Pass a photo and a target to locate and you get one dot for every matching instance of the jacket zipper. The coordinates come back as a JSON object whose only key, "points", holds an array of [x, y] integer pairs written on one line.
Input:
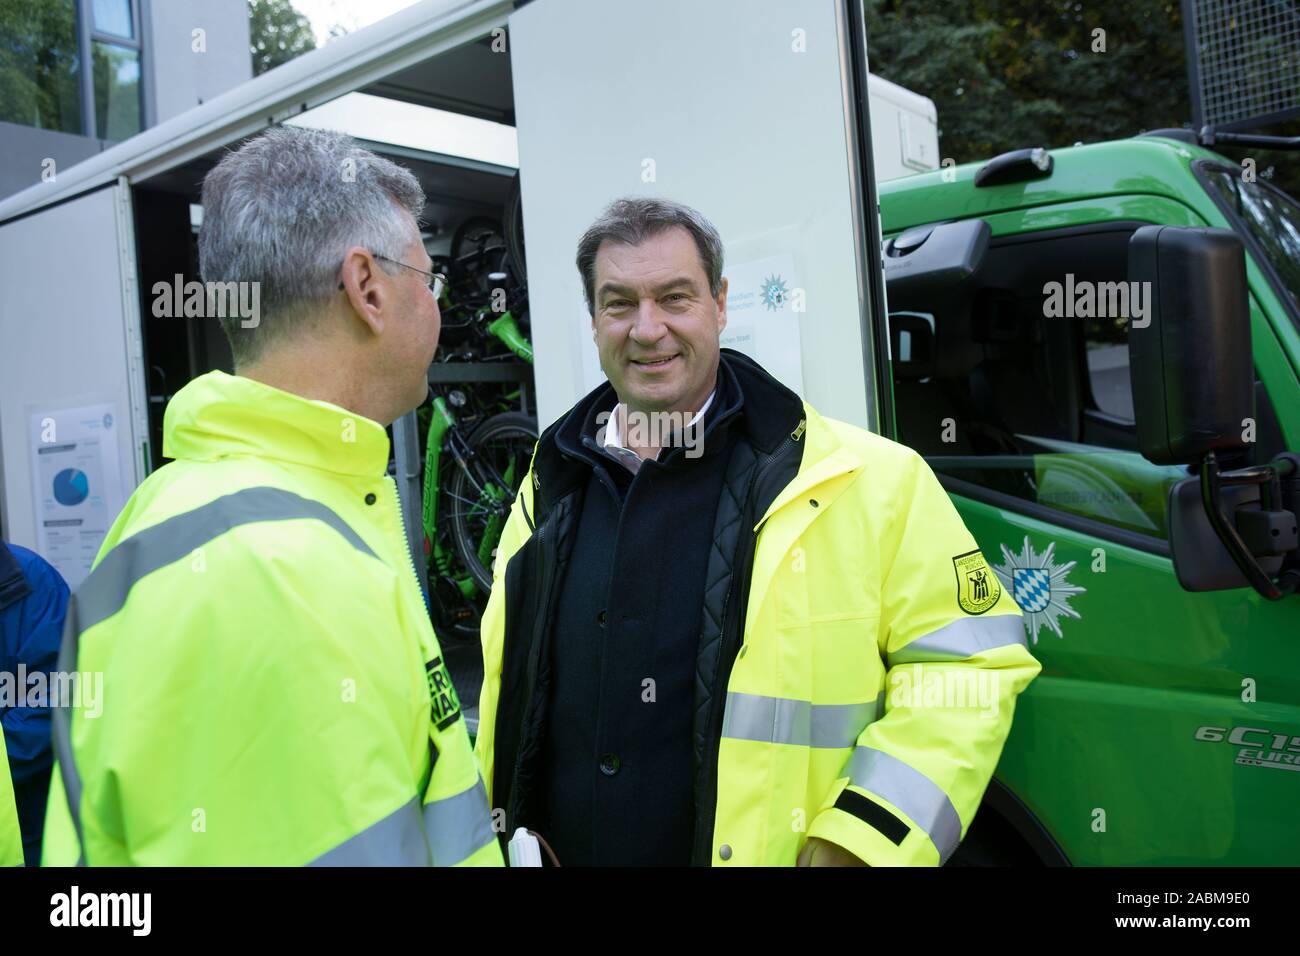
{"points": [[733, 616], [406, 545]]}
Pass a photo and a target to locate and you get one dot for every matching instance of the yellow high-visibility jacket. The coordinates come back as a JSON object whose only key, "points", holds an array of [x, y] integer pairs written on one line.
{"points": [[11, 837], [273, 693], [874, 687]]}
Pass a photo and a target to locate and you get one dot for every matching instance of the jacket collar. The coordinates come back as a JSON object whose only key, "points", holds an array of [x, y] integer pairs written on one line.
{"points": [[576, 437], [224, 416], [825, 458]]}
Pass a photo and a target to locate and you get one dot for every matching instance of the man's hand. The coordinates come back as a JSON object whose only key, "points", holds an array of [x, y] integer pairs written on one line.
{"points": [[818, 852]]}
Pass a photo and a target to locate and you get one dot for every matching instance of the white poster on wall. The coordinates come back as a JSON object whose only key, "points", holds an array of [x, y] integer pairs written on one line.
{"points": [[77, 482], [764, 302]]}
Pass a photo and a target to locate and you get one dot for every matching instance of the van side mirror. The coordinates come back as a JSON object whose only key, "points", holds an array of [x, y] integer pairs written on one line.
{"points": [[1190, 354], [1193, 378]]}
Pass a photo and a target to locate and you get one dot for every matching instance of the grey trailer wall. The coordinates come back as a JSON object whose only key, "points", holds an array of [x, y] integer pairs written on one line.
{"points": [[69, 337]]}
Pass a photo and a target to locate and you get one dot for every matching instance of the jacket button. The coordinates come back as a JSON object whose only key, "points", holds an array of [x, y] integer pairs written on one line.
{"points": [[813, 502], [370, 498], [600, 617], [609, 764], [724, 851]]}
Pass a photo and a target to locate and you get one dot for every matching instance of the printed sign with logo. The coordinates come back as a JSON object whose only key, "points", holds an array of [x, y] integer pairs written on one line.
{"points": [[442, 695]]}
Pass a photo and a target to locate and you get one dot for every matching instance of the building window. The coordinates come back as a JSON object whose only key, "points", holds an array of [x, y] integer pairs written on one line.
{"points": [[44, 47], [114, 17], [117, 91], [40, 83], [115, 51]]}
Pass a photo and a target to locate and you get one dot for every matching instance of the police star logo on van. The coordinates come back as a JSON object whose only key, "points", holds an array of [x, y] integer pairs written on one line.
{"points": [[1040, 586]]}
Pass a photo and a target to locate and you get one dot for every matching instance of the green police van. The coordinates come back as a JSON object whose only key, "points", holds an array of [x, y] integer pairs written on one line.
{"points": [[1097, 349]]}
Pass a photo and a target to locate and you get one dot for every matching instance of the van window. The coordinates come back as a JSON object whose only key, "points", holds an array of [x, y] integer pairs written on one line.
{"points": [[1270, 219], [1026, 389]]}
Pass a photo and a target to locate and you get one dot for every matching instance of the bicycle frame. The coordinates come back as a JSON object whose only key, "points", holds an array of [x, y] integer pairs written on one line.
{"points": [[441, 422], [507, 330]]}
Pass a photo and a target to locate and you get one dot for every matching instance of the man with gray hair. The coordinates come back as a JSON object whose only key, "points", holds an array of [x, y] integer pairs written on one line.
{"points": [[704, 590], [274, 693]]}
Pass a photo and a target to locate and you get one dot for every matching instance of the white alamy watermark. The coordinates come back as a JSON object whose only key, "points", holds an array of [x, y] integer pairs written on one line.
{"points": [[39, 689], [656, 430], [76, 908], [209, 300], [1098, 300], [960, 688]]}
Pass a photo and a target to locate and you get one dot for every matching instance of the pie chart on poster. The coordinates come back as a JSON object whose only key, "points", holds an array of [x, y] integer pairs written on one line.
{"points": [[70, 487]]}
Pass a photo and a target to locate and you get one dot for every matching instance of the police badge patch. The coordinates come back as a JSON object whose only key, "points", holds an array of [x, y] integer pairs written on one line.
{"points": [[977, 586]]}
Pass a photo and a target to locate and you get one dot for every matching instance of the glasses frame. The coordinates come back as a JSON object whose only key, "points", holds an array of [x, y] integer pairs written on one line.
{"points": [[437, 281]]}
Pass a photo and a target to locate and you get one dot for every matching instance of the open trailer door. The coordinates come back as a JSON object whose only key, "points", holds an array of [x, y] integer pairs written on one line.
{"points": [[75, 445], [755, 113]]}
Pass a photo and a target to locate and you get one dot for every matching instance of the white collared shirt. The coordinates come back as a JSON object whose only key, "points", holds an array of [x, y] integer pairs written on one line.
{"points": [[614, 440]]}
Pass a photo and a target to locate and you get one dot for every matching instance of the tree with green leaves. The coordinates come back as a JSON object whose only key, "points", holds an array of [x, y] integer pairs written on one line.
{"points": [[1006, 74], [277, 33]]}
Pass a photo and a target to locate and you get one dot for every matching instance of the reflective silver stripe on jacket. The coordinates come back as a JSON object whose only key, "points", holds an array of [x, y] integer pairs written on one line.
{"points": [[105, 591], [441, 833], [458, 826], [396, 840], [780, 720], [963, 638], [911, 791]]}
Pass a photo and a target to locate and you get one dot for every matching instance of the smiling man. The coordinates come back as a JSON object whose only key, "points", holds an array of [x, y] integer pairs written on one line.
{"points": [[687, 656]]}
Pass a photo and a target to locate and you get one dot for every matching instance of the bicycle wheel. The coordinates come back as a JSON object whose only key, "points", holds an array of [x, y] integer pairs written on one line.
{"points": [[477, 235], [513, 217], [479, 495]]}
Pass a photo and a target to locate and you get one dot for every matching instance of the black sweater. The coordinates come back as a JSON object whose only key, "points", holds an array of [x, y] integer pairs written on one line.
{"points": [[617, 783]]}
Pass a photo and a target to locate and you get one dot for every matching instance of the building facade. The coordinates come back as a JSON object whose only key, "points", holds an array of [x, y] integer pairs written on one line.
{"points": [[77, 76]]}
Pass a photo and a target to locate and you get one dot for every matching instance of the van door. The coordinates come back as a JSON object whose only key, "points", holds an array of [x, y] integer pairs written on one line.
{"points": [[753, 113], [72, 406], [1124, 747]]}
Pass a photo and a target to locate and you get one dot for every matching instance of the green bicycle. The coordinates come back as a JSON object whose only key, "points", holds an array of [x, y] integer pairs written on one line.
{"points": [[479, 432]]}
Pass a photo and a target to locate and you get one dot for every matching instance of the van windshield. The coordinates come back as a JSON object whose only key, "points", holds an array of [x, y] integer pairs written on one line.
{"points": [[1268, 216]]}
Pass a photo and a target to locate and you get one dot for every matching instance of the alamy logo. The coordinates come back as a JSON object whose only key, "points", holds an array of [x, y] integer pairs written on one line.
{"points": [[41, 689], [209, 300], [103, 909], [1098, 300], [655, 430]]}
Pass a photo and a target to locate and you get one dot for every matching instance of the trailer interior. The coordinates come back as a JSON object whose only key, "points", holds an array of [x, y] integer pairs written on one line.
{"points": [[472, 80]]}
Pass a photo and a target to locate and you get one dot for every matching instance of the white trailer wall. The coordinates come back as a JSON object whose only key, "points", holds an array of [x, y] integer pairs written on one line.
{"points": [[742, 116], [69, 338]]}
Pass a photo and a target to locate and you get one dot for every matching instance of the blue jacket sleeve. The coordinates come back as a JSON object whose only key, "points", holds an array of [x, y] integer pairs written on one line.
{"points": [[30, 631]]}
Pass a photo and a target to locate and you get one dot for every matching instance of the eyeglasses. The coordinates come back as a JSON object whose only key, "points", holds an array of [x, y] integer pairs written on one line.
{"points": [[436, 280]]}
